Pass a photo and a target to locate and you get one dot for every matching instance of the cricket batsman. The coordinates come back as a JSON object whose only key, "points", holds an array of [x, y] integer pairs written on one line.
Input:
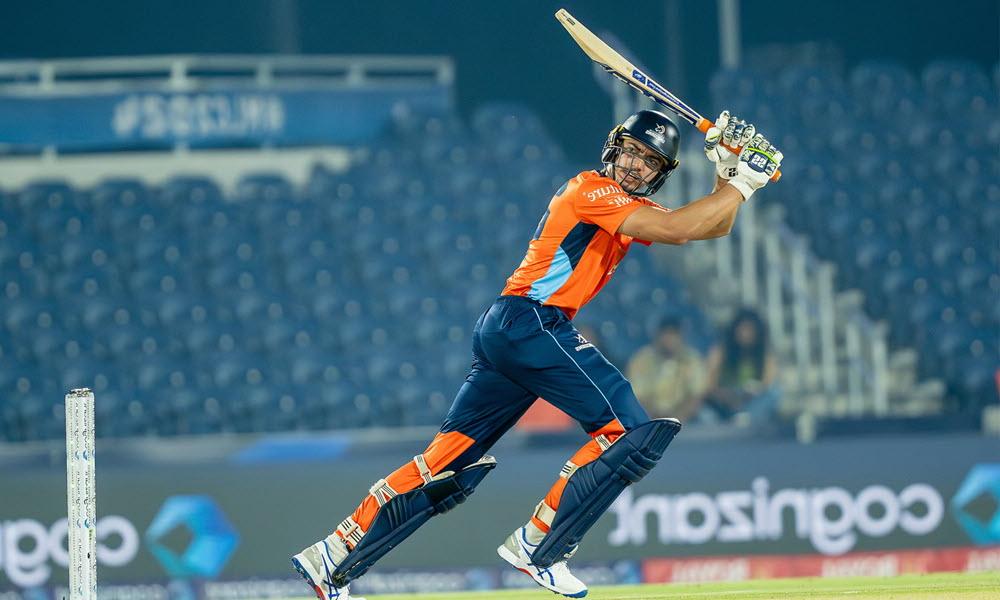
{"points": [[525, 347]]}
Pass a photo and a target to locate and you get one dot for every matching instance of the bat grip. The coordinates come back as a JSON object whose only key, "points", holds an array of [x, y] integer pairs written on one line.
{"points": [[704, 125]]}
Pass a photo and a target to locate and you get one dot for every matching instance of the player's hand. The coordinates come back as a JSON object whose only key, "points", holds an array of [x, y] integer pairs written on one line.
{"points": [[732, 131], [758, 162]]}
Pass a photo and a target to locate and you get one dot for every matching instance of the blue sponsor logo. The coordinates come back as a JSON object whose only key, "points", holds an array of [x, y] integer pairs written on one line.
{"points": [[641, 78], [976, 505], [213, 538]]}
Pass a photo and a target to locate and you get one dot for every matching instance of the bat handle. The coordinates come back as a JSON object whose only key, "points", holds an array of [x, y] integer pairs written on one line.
{"points": [[704, 125]]}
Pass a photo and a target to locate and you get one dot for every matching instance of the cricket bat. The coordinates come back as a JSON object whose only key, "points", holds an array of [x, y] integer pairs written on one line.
{"points": [[616, 64]]}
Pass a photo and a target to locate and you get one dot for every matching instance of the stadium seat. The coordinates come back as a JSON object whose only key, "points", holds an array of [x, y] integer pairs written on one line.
{"points": [[120, 192], [263, 189], [43, 196], [941, 76]]}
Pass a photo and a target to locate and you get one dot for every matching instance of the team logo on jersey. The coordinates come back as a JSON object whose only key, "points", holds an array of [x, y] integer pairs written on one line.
{"points": [[582, 343]]}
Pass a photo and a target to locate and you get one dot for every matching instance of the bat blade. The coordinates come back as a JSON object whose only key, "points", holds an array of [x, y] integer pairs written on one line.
{"points": [[616, 64]]}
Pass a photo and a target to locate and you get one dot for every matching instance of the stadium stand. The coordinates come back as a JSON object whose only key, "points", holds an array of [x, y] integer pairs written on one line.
{"points": [[894, 178], [345, 303]]}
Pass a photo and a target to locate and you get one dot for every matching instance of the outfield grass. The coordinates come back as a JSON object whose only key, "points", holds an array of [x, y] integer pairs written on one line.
{"points": [[979, 586]]}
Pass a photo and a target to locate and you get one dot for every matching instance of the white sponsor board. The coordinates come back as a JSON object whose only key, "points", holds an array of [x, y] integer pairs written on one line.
{"points": [[29, 548], [831, 518]]}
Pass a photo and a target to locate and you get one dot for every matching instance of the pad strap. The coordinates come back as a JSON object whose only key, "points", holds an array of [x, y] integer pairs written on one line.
{"points": [[603, 441], [544, 514], [382, 492], [350, 531], [425, 472]]}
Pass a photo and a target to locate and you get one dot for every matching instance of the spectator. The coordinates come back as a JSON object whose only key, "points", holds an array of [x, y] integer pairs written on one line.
{"points": [[741, 374], [668, 376]]}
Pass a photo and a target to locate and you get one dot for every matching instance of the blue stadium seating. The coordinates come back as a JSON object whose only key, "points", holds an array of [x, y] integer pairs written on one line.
{"points": [[908, 208], [345, 303], [348, 302]]}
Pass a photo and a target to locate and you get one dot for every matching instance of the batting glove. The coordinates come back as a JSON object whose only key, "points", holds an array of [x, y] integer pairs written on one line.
{"points": [[732, 131], [757, 163]]}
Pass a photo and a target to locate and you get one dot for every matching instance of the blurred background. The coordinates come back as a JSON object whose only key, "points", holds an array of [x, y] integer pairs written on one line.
{"points": [[262, 232]]}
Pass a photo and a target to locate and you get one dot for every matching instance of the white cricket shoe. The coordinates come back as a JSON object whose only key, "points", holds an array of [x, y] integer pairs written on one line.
{"points": [[316, 566], [517, 551]]}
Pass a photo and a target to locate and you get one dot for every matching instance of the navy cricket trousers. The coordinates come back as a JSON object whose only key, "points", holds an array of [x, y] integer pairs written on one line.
{"points": [[523, 350]]}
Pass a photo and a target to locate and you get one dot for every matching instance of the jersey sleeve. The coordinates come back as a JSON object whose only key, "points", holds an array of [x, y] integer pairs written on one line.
{"points": [[603, 203]]}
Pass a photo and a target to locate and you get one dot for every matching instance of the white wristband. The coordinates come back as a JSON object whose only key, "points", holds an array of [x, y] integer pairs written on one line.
{"points": [[743, 186]]}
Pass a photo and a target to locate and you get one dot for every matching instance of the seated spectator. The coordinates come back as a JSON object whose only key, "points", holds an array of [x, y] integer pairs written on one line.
{"points": [[741, 374], [668, 376]]}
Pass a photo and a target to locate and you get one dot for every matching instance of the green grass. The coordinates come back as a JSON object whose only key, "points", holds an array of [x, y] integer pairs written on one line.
{"points": [[962, 586]]}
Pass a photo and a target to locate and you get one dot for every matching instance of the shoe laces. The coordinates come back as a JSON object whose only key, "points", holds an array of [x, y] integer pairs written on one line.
{"points": [[560, 568], [346, 594]]}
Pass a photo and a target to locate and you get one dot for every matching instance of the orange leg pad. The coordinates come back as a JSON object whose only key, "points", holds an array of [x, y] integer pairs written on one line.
{"points": [[443, 449], [586, 454], [612, 430]]}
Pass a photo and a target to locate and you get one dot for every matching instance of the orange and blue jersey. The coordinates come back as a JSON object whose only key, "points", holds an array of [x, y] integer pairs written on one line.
{"points": [[576, 247]]}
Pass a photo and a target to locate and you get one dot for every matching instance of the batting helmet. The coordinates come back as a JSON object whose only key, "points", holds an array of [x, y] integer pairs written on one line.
{"points": [[655, 130]]}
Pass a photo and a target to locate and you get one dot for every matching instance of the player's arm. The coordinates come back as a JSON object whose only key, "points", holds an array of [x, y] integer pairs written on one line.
{"points": [[719, 182], [725, 226], [706, 215], [691, 222]]}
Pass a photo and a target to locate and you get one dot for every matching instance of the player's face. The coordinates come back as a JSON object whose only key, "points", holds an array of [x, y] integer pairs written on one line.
{"points": [[637, 164]]}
